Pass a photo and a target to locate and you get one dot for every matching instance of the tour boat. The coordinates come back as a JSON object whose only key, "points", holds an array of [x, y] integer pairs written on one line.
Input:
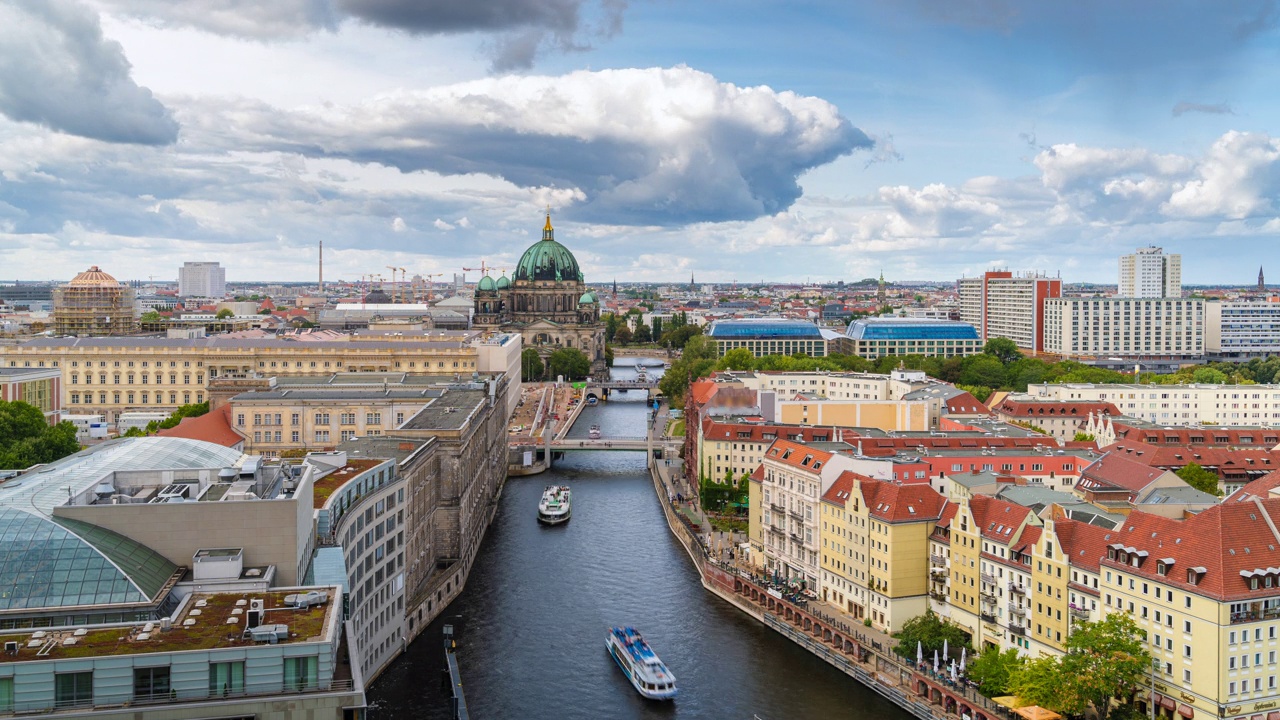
{"points": [[553, 508], [592, 400], [640, 664], [641, 375], [594, 432]]}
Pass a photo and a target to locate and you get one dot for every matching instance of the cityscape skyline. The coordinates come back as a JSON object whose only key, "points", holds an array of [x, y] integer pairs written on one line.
{"points": [[825, 143]]}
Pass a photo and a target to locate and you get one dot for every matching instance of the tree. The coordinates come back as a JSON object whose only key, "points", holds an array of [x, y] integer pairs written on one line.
{"points": [[930, 632], [657, 328], [1040, 681], [531, 367], [150, 317], [1106, 659], [1199, 478], [1082, 436], [184, 411], [224, 313], [992, 670], [610, 327], [569, 363], [737, 359], [623, 335], [1002, 349], [983, 370], [643, 333], [678, 336], [26, 438], [1208, 376]]}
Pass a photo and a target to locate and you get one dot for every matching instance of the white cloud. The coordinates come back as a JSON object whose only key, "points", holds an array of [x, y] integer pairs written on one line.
{"points": [[399, 225], [442, 225]]}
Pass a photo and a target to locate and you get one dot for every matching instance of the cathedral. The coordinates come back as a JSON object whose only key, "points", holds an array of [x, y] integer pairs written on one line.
{"points": [[547, 302]]}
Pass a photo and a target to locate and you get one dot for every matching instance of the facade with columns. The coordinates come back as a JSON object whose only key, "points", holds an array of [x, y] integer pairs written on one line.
{"points": [[546, 301]]}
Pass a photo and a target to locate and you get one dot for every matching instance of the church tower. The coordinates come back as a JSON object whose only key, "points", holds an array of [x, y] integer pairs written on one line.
{"points": [[1262, 283], [880, 296]]}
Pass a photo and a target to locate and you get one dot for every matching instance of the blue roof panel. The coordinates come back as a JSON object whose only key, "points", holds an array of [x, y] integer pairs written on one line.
{"points": [[764, 329], [912, 330]]}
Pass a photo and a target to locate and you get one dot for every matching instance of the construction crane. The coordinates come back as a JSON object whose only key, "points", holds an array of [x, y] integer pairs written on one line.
{"points": [[484, 269], [431, 286], [397, 291]]}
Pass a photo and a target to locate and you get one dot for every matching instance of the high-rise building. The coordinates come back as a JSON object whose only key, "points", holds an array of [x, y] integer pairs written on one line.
{"points": [[202, 279], [93, 304], [1153, 328], [1149, 273], [1000, 304]]}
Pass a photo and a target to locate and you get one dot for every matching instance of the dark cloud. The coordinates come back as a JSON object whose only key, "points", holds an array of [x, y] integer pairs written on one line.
{"points": [[1217, 109], [57, 70], [654, 146]]}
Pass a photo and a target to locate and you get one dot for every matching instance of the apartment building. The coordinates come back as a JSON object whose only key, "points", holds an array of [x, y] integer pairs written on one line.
{"points": [[1240, 330], [1199, 404], [110, 376], [1061, 419], [1154, 328], [729, 448], [202, 280], [1149, 273], [1000, 304]]}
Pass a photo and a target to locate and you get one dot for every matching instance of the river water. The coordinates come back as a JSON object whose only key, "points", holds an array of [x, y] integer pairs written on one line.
{"points": [[533, 617]]}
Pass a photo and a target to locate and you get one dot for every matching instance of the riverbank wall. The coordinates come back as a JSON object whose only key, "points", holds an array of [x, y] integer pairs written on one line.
{"points": [[917, 690]]}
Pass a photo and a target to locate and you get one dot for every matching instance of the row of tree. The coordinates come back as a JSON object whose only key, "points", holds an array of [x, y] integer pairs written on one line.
{"points": [[631, 328], [569, 363], [1106, 662], [27, 439]]}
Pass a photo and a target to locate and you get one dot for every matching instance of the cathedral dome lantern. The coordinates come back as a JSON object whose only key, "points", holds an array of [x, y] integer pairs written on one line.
{"points": [[548, 260], [486, 284]]}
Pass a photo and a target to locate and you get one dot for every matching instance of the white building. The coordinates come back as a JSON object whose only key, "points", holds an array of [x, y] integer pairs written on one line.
{"points": [[795, 478], [202, 279], [1225, 405], [1125, 327], [1000, 304], [1149, 273], [1239, 330]]}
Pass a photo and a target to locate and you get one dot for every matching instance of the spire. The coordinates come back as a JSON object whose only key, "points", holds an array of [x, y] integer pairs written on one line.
{"points": [[1262, 283], [547, 232]]}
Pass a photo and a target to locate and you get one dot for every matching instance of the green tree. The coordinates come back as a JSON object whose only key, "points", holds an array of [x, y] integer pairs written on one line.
{"points": [[1106, 659], [678, 336], [979, 393], [1199, 478], [608, 355], [611, 324], [1082, 436], [184, 411], [737, 359], [983, 370], [623, 335], [1040, 681], [643, 333], [992, 670], [531, 367], [1208, 376], [150, 317], [569, 363], [224, 313], [657, 328], [1002, 349], [930, 632], [26, 438]]}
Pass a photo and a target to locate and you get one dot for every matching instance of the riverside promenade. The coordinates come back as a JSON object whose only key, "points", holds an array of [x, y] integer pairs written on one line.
{"points": [[860, 652]]}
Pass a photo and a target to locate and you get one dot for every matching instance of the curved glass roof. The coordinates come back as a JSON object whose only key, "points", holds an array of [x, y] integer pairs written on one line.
{"points": [[54, 563], [51, 486], [909, 329], [764, 329]]}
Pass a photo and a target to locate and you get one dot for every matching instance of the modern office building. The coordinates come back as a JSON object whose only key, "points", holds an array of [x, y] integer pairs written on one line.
{"points": [[33, 296], [41, 387], [877, 337], [1240, 330], [769, 336], [1149, 273], [1152, 328], [93, 304], [202, 279], [1001, 304]]}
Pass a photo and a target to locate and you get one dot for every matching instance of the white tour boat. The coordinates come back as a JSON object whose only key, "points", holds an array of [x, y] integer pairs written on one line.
{"points": [[647, 673], [594, 432], [553, 508]]}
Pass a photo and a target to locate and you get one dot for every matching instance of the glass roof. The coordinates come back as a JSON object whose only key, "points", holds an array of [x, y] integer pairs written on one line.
{"points": [[47, 563], [764, 329], [911, 330], [51, 486]]}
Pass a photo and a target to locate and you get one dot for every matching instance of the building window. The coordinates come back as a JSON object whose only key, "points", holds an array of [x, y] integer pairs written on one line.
{"points": [[373, 418], [226, 678], [293, 436], [322, 436], [300, 673], [322, 418], [71, 689], [150, 683]]}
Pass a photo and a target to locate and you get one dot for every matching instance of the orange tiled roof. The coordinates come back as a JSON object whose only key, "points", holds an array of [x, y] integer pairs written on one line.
{"points": [[213, 426], [1051, 409], [797, 455]]}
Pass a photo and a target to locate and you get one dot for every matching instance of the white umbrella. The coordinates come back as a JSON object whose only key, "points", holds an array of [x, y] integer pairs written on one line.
{"points": [[953, 671], [919, 653], [935, 660], [946, 650], [963, 652]]}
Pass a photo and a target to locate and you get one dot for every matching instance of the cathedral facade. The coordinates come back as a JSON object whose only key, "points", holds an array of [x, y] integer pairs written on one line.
{"points": [[547, 302]]}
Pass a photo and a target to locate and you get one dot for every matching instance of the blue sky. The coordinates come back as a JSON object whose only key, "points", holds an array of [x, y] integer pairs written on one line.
{"points": [[732, 140]]}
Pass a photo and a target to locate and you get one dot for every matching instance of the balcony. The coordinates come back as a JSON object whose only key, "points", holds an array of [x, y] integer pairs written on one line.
{"points": [[776, 530], [988, 598], [799, 516], [777, 508], [1017, 588], [938, 597], [987, 617], [797, 538], [1015, 629], [1017, 610], [1079, 613], [988, 578], [937, 561], [1256, 612], [941, 571]]}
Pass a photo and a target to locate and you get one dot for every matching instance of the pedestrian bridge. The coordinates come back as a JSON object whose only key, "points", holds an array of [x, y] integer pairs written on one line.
{"points": [[611, 443]]}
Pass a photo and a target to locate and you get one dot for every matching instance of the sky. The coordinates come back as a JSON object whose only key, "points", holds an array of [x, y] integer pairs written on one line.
{"points": [[734, 140]]}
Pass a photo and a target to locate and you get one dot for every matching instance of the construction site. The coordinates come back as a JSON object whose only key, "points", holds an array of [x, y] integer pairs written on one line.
{"points": [[93, 304]]}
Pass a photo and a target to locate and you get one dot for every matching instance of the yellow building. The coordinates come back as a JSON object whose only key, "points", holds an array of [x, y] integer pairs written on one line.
{"points": [[875, 547], [888, 415], [109, 376], [93, 304]]}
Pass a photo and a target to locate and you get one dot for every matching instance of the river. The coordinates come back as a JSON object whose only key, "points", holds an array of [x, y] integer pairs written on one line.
{"points": [[533, 617]]}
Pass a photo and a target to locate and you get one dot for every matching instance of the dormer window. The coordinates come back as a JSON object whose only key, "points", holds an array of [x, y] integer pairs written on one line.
{"points": [[1253, 583], [1162, 569], [1191, 577]]}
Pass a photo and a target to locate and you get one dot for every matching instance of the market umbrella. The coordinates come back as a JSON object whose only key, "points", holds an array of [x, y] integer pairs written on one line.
{"points": [[946, 650], [963, 652], [919, 653], [935, 660], [953, 671]]}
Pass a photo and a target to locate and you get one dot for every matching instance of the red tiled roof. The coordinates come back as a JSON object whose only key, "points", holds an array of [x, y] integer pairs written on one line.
{"points": [[1115, 471], [1266, 437], [1259, 488], [997, 519], [703, 390], [1227, 461], [966, 404], [838, 493], [213, 426], [1070, 409], [1083, 543], [795, 454], [757, 475], [712, 430], [890, 502]]}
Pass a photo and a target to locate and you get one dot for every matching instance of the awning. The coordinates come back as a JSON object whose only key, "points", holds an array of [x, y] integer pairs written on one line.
{"points": [[1186, 711], [1168, 704], [1256, 717], [1273, 715], [1156, 698]]}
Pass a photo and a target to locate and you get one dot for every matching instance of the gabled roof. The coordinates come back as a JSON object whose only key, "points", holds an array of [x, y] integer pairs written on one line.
{"points": [[838, 493], [214, 426], [1083, 543], [998, 520], [892, 503], [1022, 408], [1226, 461], [1113, 472], [1260, 488], [797, 455], [760, 432]]}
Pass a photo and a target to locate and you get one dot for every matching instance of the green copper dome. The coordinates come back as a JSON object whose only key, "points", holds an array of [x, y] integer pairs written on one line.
{"points": [[486, 284], [587, 298], [548, 260], [504, 282]]}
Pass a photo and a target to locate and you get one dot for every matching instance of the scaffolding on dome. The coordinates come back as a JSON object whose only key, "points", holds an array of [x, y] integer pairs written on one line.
{"points": [[92, 305]]}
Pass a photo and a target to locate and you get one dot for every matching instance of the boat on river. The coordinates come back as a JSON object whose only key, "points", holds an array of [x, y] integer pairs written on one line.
{"points": [[648, 675], [554, 507], [594, 432]]}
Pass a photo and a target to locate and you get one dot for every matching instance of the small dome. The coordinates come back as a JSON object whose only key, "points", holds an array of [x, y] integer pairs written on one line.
{"points": [[95, 277], [377, 297], [486, 284], [587, 298], [504, 282]]}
